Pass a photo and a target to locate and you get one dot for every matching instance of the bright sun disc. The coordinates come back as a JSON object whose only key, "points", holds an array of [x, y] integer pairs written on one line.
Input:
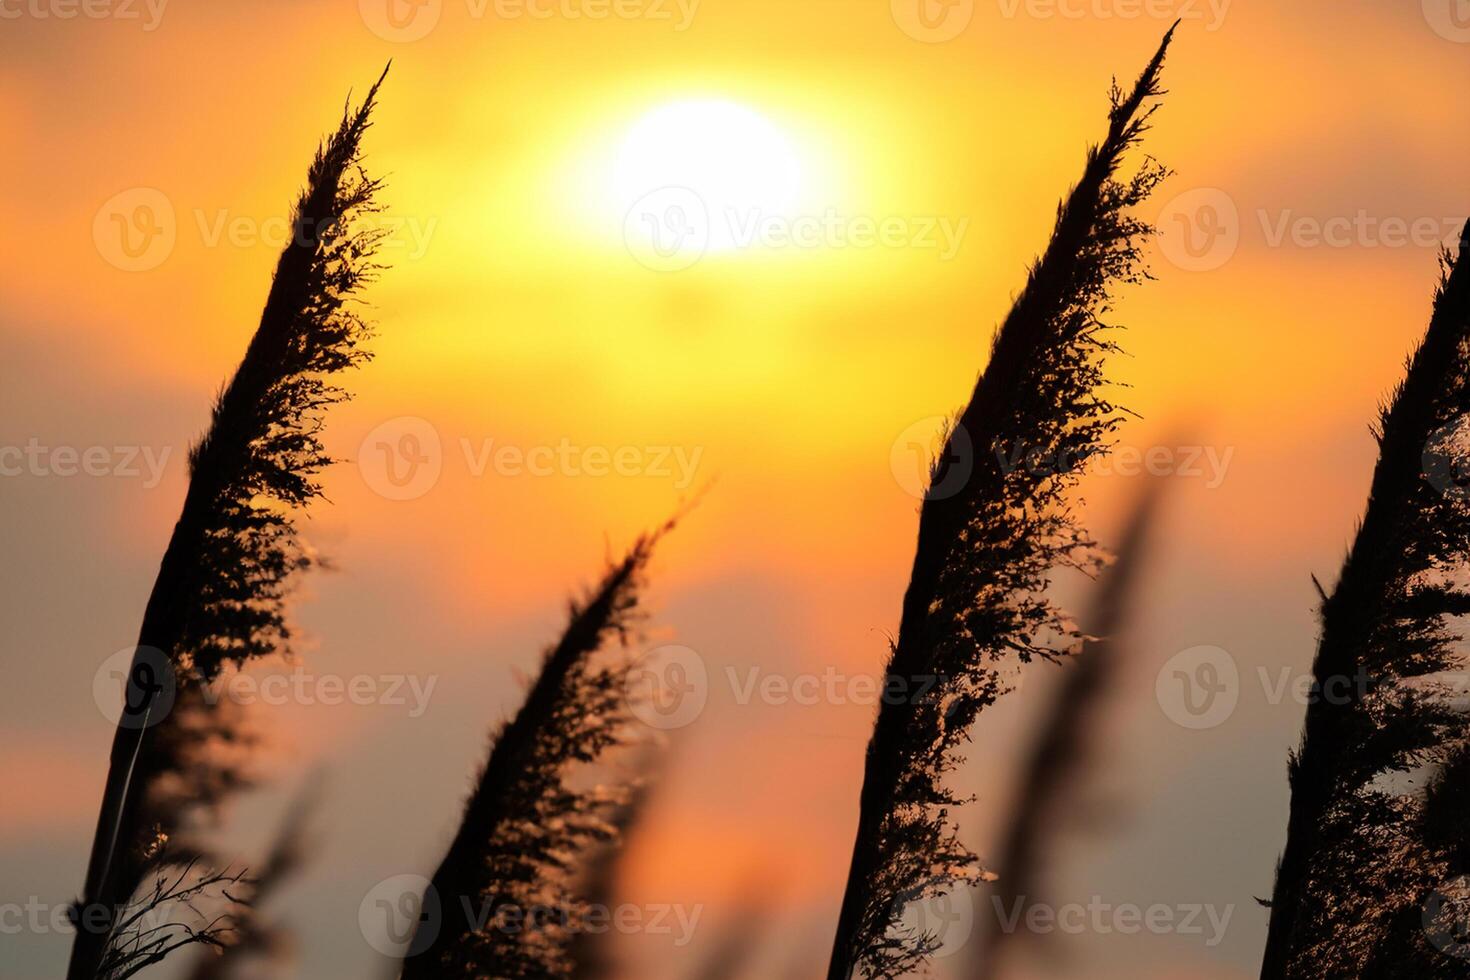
{"points": [[713, 155]]}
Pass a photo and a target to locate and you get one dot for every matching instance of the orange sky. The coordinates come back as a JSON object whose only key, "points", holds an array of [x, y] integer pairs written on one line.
{"points": [[516, 313]]}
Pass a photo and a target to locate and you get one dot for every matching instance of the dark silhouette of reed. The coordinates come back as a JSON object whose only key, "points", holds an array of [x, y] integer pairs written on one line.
{"points": [[1359, 856], [506, 889], [987, 544], [221, 587], [1059, 759]]}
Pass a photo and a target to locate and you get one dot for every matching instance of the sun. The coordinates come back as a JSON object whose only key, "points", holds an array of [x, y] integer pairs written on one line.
{"points": [[722, 157]]}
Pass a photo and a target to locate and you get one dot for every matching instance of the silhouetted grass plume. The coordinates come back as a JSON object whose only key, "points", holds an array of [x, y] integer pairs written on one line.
{"points": [[1047, 797], [988, 541], [1359, 858], [221, 586], [507, 889]]}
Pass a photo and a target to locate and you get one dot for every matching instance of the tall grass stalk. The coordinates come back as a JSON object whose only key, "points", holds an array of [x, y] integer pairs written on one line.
{"points": [[988, 542], [1357, 858], [527, 828], [221, 587]]}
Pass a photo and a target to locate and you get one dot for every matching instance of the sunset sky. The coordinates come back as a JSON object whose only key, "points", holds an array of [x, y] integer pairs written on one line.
{"points": [[909, 161]]}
